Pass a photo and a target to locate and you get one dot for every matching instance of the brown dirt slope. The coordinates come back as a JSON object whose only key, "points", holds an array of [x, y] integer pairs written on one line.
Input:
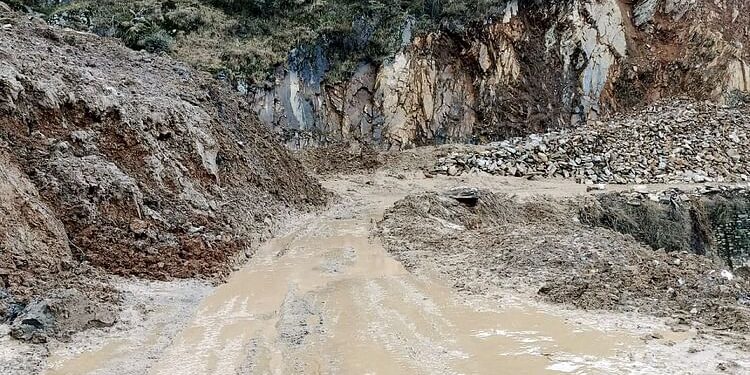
{"points": [[130, 162], [36, 261], [342, 157]]}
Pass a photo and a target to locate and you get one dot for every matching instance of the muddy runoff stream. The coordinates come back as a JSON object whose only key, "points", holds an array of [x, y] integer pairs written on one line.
{"points": [[327, 298]]}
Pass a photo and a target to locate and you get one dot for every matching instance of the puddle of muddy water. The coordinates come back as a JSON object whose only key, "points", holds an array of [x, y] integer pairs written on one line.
{"points": [[86, 362], [370, 316]]}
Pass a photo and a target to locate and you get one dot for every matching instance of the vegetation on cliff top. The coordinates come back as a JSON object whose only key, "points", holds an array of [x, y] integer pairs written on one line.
{"points": [[247, 39]]}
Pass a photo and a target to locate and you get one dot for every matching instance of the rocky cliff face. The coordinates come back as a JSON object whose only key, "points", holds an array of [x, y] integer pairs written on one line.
{"points": [[543, 65]]}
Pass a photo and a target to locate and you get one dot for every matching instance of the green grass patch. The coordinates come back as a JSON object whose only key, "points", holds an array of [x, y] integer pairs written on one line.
{"points": [[248, 39]]}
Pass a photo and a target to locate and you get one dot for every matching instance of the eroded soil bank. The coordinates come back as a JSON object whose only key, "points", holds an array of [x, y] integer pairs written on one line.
{"points": [[328, 298], [119, 162]]}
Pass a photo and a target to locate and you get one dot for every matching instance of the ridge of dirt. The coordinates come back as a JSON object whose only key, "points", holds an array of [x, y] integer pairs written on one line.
{"points": [[341, 158], [539, 243], [124, 162]]}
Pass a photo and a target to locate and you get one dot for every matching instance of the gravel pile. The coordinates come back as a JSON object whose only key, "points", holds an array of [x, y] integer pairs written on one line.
{"points": [[675, 195], [674, 141]]}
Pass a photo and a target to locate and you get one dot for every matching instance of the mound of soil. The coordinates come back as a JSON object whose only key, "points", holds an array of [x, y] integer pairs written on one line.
{"points": [[39, 278], [343, 157], [501, 242], [128, 162]]}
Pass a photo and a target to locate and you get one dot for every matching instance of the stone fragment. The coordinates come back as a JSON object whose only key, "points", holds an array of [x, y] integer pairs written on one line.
{"points": [[645, 11], [452, 170]]}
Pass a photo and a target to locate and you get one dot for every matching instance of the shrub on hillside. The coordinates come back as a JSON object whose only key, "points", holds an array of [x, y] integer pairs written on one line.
{"points": [[157, 41], [249, 38], [184, 19]]}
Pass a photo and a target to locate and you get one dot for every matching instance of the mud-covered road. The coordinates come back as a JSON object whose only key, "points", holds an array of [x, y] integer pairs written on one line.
{"points": [[327, 298]]}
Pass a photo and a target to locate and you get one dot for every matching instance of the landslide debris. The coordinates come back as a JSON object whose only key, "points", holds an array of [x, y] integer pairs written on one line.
{"points": [[341, 157], [502, 242], [40, 279], [126, 162], [672, 141]]}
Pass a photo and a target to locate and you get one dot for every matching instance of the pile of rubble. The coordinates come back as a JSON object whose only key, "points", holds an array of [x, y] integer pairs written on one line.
{"points": [[505, 242], [640, 193], [675, 141], [122, 162]]}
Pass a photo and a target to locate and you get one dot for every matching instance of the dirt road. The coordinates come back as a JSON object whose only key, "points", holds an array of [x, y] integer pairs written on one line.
{"points": [[327, 298]]}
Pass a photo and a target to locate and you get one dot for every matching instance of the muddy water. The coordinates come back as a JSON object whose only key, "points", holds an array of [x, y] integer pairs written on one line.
{"points": [[87, 362], [327, 298]]}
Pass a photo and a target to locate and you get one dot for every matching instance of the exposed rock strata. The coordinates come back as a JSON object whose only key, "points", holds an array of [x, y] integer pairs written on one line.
{"points": [[543, 65]]}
